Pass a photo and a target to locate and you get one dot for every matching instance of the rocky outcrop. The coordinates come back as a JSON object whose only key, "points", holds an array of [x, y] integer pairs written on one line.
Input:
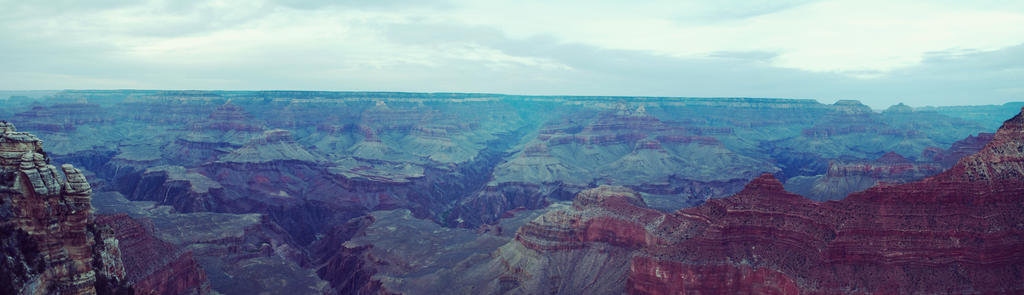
{"points": [[155, 266], [625, 146], [229, 117], [582, 249], [846, 134], [239, 253], [962, 148], [899, 108], [348, 274], [391, 251], [186, 191], [273, 145], [956, 232], [228, 127], [1000, 162], [51, 245], [847, 176], [306, 193]]}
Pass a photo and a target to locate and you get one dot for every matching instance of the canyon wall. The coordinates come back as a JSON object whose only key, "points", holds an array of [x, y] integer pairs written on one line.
{"points": [[51, 244], [956, 232], [262, 186], [55, 245]]}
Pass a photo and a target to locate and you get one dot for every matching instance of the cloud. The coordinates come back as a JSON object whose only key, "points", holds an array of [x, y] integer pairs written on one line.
{"points": [[920, 53], [754, 55], [941, 79], [364, 4], [731, 10]]}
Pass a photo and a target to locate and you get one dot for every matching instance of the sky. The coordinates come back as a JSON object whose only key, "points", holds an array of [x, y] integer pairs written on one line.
{"points": [[920, 53]]}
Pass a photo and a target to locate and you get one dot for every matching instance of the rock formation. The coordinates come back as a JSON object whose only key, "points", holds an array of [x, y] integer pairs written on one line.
{"points": [[847, 176], [236, 253], [272, 145], [196, 165], [229, 126], [962, 148], [624, 147], [51, 244], [229, 117], [956, 232], [154, 266]]}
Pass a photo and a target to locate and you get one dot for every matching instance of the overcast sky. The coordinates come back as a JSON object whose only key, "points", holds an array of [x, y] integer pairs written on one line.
{"points": [[879, 52]]}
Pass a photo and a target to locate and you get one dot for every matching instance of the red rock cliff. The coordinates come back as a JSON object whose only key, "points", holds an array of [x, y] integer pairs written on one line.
{"points": [[958, 232], [961, 231]]}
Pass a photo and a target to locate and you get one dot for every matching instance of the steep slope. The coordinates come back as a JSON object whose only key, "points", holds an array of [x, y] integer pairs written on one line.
{"points": [[459, 160], [959, 149], [625, 146], [845, 177], [154, 266], [237, 253], [50, 243], [957, 232], [54, 245], [227, 127]]}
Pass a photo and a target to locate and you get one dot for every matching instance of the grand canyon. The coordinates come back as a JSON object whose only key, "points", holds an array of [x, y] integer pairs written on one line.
{"points": [[313, 192]]}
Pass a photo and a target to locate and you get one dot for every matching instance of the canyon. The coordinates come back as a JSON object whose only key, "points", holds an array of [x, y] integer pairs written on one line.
{"points": [[241, 192], [54, 245], [955, 232]]}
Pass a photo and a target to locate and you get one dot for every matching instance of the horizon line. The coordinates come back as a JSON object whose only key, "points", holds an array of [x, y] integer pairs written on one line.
{"points": [[497, 94]]}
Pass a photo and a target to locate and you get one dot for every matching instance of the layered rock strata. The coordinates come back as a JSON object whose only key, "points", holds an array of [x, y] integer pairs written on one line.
{"points": [[53, 246], [627, 147], [154, 266], [956, 232], [847, 176]]}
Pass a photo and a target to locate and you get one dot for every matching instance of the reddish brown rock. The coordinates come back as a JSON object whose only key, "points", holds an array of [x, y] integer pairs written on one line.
{"points": [[182, 275], [962, 148], [348, 274], [957, 232], [347, 268], [847, 176], [650, 276], [155, 266], [46, 218]]}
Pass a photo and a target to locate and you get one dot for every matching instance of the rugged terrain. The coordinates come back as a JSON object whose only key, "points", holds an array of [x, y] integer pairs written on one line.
{"points": [[52, 243], [246, 191], [845, 176], [955, 232]]}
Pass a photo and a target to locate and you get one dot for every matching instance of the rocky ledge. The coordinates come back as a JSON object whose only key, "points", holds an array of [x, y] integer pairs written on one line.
{"points": [[50, 243], [54, 245]]}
